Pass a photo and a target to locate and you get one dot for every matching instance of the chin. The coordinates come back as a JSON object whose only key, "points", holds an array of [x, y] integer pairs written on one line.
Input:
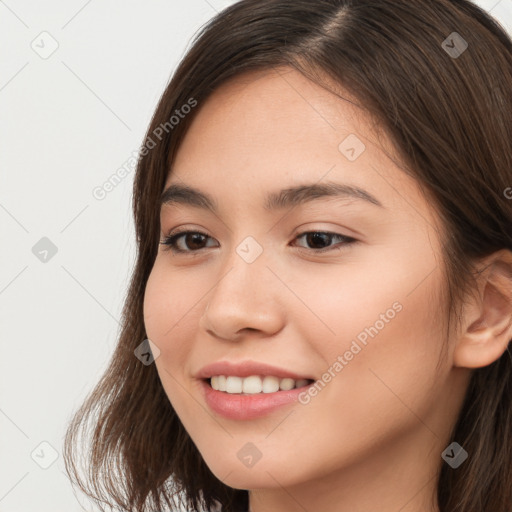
{"points": [[261, 475], [245, 479]]}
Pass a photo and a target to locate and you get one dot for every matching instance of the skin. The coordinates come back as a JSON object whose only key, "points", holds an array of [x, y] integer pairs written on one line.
{"points": [[372, 438]]}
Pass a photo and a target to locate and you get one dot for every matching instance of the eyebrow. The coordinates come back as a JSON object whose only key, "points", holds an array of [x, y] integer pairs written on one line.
{"points": [[288, 197]]}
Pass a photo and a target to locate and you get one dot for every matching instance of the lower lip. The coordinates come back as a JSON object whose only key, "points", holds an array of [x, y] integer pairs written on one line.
{"points": [[248, 407]]}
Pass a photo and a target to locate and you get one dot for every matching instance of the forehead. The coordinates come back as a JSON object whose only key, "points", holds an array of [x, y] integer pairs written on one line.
{"points": [[273, 129], [280, 106]]}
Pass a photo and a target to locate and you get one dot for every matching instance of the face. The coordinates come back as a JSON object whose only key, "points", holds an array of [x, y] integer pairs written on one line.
{"points": [[340, 289]]}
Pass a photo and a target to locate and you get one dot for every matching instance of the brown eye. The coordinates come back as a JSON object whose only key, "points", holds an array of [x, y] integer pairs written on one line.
{"points": [[186, 241], [193, 240], [320, 240]]}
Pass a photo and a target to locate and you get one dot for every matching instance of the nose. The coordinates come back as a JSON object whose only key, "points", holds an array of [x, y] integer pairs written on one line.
{"points": [[246, 299]]}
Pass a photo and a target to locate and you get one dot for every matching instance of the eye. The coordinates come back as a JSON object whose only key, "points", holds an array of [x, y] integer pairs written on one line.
{"points": [[323, 237], [189, 239], [192, 241]]}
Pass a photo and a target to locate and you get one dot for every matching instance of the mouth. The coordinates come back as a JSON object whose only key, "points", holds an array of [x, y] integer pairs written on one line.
{"points": [[249, 398], [255, 384], [248, 389]]}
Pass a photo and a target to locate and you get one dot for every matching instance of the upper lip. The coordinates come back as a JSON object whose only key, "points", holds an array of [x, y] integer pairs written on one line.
{"points": [[246, 369]]}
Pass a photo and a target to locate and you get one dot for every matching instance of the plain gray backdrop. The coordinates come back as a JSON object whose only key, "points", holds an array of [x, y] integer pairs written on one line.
{"points": [[79, 81]]}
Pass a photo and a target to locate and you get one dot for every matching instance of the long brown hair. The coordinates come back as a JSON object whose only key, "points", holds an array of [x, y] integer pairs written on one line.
{"points": [[449, 116]]}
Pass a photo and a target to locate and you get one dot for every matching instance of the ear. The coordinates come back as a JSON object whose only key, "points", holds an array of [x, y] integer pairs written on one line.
{"points": [[488, 317]]}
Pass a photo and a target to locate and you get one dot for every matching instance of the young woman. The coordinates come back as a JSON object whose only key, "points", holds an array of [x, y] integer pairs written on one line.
{"points": [[320, 315]]}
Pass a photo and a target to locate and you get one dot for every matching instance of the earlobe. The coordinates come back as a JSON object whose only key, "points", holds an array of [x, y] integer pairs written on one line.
{"points": [[488, 318]]}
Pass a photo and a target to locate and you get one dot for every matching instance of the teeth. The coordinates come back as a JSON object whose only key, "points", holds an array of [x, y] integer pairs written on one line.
{"points": [[218, 382], [221, 382], [254, 384], [286, 384], [234, 384], [270, 384]]}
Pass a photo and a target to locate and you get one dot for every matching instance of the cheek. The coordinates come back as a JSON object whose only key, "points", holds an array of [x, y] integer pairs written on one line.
{"points": [[385, 391], [156, 302], [168, 315], [389, 348], [349, 304], [391, 303], [166, 320], [388, 334]]}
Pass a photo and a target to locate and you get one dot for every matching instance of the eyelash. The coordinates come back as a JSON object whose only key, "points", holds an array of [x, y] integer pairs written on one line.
{"points": [[169, 242]]}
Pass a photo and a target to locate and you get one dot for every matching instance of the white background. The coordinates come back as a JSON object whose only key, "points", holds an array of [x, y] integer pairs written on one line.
{"points": [[67, 123]]}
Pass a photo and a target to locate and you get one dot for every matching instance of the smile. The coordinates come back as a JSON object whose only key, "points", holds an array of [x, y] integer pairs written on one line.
{"points": [[255, 384], [239, 405]]}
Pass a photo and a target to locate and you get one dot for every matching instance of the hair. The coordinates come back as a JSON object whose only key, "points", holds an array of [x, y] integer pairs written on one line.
{"points": [[450, 121]]}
